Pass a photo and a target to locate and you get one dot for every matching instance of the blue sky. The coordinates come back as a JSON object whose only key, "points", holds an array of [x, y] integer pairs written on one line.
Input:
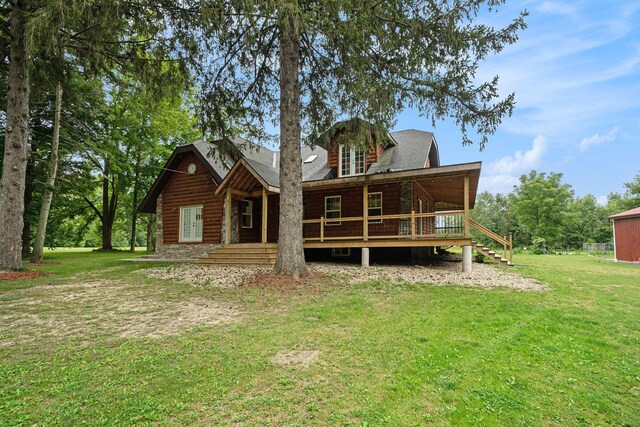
{"points": [[575, 72]]}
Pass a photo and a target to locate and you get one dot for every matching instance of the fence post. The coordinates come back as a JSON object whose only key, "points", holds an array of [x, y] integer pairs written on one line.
{"points": [[321, 229]]}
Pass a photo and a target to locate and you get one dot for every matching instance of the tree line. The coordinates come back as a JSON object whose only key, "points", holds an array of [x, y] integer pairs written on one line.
{"points": [[543, 213], [96, 92]]}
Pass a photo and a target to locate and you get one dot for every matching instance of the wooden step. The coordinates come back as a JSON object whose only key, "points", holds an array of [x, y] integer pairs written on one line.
{"points": [[236, 263]]}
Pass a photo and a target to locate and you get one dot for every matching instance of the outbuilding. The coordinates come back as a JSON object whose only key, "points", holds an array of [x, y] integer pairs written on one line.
{"points": [[626, 235]]}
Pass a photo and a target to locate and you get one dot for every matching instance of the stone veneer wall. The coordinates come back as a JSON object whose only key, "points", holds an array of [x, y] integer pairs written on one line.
{"points": [[178, 251], [235, 219]]}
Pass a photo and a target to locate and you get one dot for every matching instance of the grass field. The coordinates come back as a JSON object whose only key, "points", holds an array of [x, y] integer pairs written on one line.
{"points": [[95, 342]]}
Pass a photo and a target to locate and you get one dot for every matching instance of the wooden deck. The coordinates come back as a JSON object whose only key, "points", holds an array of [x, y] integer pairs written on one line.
{"points": [[388, 243]]}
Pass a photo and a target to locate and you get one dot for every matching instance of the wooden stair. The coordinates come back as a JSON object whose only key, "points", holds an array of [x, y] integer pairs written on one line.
{"points": [[491, 254], [242, 254]]}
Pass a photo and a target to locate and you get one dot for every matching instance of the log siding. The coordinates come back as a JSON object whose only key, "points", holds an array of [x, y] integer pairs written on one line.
{"points": [[184, 189]]}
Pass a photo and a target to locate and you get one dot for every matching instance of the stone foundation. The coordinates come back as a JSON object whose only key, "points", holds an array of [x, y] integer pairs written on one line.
{"points": [[184, 250]]}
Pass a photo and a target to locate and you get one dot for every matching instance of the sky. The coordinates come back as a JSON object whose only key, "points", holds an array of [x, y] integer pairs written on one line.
{"points": [[576, 74]]}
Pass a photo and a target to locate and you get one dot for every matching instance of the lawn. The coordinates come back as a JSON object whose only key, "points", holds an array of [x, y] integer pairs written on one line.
{"points": [[96, 342]]}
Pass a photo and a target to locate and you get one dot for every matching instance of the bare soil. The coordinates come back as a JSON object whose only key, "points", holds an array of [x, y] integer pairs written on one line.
{"points": [[108, 308], [20, 275], [296, 358]]}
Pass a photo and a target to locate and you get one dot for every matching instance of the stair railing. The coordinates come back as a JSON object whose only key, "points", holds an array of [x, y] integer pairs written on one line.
{"points": [[506, 244]]}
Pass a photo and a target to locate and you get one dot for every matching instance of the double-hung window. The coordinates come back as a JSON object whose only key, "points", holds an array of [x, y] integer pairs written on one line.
{"points": [[375, 207], [332, 209], [352, 161], [247, 214], [191, 223]]}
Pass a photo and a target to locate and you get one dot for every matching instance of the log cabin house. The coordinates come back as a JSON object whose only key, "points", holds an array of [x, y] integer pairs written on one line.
{"points": [[394, 200]]}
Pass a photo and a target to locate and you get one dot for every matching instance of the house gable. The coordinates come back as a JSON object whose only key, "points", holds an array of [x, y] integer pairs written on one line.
{"points": [[183, 188], [172, 165]]}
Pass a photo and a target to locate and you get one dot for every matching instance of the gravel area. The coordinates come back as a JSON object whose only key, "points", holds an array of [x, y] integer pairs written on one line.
{"points": [[441, 273]]}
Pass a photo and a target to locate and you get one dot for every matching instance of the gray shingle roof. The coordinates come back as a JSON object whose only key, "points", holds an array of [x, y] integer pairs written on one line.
{"points": [[249, 150], [411, 152], [269, 174]]}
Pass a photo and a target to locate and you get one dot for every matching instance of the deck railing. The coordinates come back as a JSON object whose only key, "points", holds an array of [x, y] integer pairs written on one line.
{"points": [[507, 245], [432, 225]]}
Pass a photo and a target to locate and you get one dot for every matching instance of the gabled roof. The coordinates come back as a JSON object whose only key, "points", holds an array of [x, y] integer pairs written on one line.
{"points": [[412, 150], [210, 155], [631, 213]]}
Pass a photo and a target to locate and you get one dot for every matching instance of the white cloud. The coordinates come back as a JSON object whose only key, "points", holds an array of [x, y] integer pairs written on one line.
{"points": [[555, 8], [502, 174], [521, 162], [598, 139]]}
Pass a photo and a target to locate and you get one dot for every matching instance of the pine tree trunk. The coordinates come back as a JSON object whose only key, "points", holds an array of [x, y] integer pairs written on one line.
{"points": [[41, 231], [134, 214], [290, 260], [16, 145], [151, 226]]}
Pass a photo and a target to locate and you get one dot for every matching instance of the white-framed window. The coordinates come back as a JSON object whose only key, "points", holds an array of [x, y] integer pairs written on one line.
{"points": [[247, 214], [191, 223], [375, 207], [332, 209], [352, 160], [341, 252]]}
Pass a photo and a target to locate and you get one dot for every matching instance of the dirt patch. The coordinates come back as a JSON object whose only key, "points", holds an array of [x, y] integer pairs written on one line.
{"points": [[20, 275], [296, 358], [106, 308], [313, 283]]}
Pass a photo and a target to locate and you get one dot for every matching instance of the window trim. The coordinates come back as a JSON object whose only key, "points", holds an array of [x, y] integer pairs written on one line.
{"points": [[353, 151], [243, 214], [195, 239], [375, 221], [330, 223]]}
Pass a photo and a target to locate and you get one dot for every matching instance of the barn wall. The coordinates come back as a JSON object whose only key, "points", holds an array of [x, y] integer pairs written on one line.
{"points": [[627, 237], [184, 189]]}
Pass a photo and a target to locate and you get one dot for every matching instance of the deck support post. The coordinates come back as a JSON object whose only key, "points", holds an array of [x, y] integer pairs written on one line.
{"points": [[504, 248], [413, 224], [321, 229], [511, 248], [365, 212], [227, 217], [265, 209], [365, 257], [466, 259], [466, 206]]}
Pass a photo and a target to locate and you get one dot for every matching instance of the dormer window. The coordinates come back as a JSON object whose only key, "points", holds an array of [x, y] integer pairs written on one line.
{"points": [[352, 161]]}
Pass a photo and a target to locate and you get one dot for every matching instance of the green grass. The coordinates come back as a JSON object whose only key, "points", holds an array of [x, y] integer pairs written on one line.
{"points": [[388, 354]]}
